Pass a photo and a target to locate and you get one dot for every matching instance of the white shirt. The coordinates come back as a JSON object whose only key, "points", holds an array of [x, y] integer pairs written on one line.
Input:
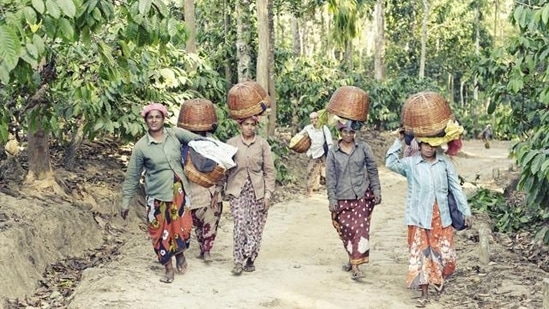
{"points": [[317, 140]]}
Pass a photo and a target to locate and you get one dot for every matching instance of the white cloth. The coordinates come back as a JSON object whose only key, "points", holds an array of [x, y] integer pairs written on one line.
{"points": [[317, 140], [215, 150]]}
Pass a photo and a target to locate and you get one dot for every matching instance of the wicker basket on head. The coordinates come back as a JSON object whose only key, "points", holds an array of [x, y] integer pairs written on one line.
{"points": [[247, 99], [349, 102], [205, 180], [302, 145], [197, 115], [425, 114]]}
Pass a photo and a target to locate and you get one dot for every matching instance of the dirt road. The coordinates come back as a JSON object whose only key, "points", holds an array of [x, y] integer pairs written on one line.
{"points": [[299, 265]]}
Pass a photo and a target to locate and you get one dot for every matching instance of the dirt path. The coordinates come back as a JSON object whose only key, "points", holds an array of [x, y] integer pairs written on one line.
{"points": [[299, 265]]}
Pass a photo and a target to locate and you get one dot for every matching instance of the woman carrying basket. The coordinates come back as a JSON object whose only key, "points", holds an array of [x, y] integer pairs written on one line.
{"points": [[158, 154], [249, 187]]}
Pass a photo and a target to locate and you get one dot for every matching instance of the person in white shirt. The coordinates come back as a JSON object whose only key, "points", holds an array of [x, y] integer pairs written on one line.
{"points": [[319, 136]]}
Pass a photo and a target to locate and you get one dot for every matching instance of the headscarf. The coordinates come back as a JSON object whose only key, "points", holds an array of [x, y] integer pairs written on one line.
{"points": [[348, 124], [452, 138], [152, 107], [254, 118]]}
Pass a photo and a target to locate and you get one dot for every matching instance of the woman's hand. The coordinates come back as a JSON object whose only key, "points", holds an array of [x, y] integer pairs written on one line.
{"points": [[124, 213], [377, 199], [214, 201], [266, 204], [468, 222]]}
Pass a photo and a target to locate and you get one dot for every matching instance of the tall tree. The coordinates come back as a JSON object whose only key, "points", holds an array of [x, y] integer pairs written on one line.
{"points": [[190, 23], [243, 41], [379, 68], [424, 37], [262, 71], [271, 88]]}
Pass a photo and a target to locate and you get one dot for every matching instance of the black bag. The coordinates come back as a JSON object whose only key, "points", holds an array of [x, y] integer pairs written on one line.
{"points": [[458, 220], [325, 145]]}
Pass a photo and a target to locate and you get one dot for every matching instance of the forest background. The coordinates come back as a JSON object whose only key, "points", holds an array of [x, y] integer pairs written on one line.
{"points": [[73, 71]]}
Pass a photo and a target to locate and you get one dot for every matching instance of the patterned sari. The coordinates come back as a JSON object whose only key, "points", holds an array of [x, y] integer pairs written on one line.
{"points": [[170, 224], [249, 222], [352, 223], [432, 254]]}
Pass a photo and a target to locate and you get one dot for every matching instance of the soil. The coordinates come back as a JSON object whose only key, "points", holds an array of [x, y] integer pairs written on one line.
{"points": [[70, 249]]}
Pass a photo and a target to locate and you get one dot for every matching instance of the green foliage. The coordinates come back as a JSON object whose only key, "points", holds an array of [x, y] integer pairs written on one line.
{"points": [[106, 61], [517, 77], [280, 151], [304, 85], [510, 218]]}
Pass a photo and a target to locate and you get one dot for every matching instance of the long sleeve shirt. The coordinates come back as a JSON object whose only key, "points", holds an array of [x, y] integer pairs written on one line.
{"points": [[348, 176], [318, 137], [160, 161], [252, 160], [427, 182]]}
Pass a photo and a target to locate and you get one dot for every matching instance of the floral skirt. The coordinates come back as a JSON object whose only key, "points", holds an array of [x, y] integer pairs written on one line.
{"points": [[432, 254], [169, 225]]}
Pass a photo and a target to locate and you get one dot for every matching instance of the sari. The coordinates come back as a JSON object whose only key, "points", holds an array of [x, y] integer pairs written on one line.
{"points": [[169, 224], [352, 223], [432, 253]]}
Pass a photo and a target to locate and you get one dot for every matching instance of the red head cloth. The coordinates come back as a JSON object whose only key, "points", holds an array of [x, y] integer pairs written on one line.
{"points": [[152, 107]]}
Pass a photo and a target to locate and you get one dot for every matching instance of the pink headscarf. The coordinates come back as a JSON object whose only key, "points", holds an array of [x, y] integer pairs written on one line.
{"points": [[152, 107], [254, 118]]}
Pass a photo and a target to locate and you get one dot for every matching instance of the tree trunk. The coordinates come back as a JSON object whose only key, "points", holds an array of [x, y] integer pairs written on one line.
{"points": [[39, 154], [262, 69], [191, 26], [38, 141], [424, 39], [243, 39], [379, 66], [272, 91], [349, 53], [262, 73], [226, 29], [296, 41], [477, 51], [75, 144]]}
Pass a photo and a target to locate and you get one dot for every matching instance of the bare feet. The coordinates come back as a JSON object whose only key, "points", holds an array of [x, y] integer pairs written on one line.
{"points": [[237, 269], [181, 263], [206, 257], [169, 275], [249, 267]]}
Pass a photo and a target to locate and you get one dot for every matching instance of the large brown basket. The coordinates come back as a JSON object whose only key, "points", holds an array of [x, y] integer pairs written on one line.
{"points": [[205, 180], [197, 115], [349, 102], [302, 145], [247, 99], [425, 114]]}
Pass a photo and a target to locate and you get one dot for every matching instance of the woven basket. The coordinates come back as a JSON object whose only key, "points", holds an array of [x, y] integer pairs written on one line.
{"points": [[425, 114], [247, 99], [197, 115], [349, 102], [302, 145], [205, 180]]}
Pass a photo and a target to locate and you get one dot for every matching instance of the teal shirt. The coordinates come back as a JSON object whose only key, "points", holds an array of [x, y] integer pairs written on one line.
{"points": [[159, 161]]}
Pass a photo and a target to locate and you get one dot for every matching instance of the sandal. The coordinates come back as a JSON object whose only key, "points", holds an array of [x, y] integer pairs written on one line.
{"points": [[357, 275], [421, 303], [439, 288], [237, 270], [168, 277], [249, 268], [347, 267], [206, 257]]}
